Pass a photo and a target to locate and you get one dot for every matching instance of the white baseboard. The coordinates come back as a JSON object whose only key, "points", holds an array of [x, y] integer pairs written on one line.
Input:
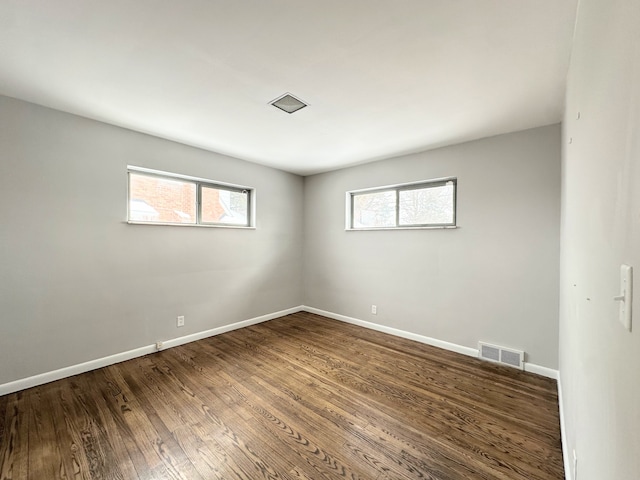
{"points": [[47, 377], [568, 475], [227, 328], [540, 370], [471, 352]]}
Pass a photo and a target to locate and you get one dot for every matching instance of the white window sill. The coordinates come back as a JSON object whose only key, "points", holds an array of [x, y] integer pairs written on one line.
{"points": [[451, 227], [241, 227]]}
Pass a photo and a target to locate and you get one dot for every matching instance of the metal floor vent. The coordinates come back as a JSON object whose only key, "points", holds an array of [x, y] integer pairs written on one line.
{"points": [[288, 103], [506, 356]]}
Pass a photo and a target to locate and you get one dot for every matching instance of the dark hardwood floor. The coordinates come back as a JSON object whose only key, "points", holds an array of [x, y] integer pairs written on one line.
{"points": [[300, 397]]}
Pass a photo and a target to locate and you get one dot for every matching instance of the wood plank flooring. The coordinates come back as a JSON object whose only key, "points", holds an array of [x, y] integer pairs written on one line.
{"points": [[299, 397]]}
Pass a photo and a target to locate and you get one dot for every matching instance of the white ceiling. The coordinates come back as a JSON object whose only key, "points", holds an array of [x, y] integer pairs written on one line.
{"points": [[382, 77]]}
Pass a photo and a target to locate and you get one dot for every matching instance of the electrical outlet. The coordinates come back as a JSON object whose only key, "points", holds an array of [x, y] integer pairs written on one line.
{"points": [[159, 345], [180, 321], [374, 309]]}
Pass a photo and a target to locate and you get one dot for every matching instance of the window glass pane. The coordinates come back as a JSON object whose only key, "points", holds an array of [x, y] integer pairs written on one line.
{"points": [[374, 209], [427, 206], [156, 199], [224, 206]]}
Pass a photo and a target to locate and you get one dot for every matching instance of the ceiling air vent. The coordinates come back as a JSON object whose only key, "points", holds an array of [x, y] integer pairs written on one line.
{"points": [[288, 103]]}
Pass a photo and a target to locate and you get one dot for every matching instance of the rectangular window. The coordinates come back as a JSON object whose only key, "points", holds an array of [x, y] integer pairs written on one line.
{"points": [[414, 205], [224, 205], [170, 199]]}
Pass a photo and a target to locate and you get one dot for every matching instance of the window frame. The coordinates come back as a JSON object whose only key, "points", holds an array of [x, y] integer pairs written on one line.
{"points": [[419, 185], [199, 183]]}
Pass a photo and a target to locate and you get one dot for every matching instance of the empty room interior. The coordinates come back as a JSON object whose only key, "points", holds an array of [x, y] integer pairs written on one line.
{"points": [[316, 240]]}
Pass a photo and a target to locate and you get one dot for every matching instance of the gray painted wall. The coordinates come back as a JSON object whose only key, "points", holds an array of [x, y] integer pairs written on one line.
{"points": [[77, 283], [494, 279], [599, 360]]}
